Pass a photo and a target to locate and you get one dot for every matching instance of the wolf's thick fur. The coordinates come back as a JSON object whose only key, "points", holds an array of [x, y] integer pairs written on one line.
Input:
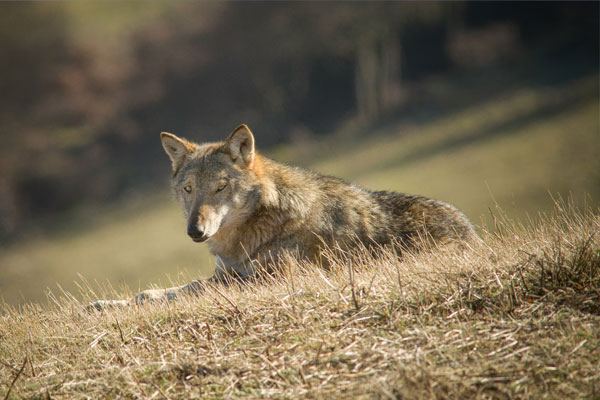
{"points": [[250, 210]]}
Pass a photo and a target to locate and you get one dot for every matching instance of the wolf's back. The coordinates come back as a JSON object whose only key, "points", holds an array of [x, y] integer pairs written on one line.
{"points": [[343, 212], [412, 219]]}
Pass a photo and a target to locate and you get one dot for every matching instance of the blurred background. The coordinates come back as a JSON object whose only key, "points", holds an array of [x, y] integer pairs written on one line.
{"points": [[478, 104]]}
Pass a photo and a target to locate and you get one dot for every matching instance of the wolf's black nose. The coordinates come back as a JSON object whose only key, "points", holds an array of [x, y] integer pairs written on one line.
{"points": [[196, 234]]}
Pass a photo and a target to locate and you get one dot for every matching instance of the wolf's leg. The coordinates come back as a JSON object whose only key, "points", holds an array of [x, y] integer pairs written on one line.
{"points": [[101, 305], [151, 295], [225, 274], [233, 272], [193, 288]]}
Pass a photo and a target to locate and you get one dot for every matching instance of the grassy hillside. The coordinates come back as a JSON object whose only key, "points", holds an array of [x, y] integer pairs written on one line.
{"points": [[515, 316], [515, 150]]}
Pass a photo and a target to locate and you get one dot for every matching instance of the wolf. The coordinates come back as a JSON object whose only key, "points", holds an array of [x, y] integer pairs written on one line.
{"points": [[251, 211]]}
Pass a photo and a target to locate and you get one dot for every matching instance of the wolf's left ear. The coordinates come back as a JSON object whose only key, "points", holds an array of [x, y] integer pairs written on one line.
{"points": [[178, 149], [240, 144]]}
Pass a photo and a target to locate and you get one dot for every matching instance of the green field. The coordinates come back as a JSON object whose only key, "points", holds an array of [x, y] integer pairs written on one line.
{"points": [[516, 151]]}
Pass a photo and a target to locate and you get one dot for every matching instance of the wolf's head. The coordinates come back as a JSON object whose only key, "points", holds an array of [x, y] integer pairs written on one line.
{"points": [[218, 184]]}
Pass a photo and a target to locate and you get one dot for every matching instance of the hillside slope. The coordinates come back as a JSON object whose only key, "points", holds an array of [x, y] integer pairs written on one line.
{"points": [[516, 150], [516, 316]]}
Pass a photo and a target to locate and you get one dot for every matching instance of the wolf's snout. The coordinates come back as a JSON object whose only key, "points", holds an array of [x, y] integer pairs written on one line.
{"points": [[196, 234]]}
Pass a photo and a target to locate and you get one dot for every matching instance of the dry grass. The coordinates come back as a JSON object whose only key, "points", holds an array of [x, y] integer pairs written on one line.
{"points": [[516, 316]]}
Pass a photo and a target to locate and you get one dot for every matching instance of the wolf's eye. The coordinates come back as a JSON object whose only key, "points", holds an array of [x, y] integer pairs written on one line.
{"points": [[222, 186], [188, 188]]}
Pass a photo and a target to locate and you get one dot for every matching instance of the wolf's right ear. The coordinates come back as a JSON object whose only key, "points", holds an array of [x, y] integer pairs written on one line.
{"points": [[177, 149]]}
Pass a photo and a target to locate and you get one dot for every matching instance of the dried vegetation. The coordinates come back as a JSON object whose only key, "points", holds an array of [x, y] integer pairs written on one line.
{"points": [[515, 316]]}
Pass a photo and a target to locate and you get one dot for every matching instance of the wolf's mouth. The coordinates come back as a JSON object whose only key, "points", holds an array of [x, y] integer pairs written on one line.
{"points": [[200, 239]]}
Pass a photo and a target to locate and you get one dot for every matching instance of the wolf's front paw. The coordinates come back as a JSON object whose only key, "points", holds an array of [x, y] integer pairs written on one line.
{"points": [[102, 305], [153, 295]]}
